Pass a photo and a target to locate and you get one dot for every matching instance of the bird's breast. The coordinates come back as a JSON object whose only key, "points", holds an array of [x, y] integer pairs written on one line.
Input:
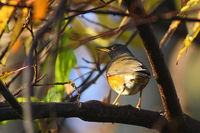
{"points": [[129, 81]]}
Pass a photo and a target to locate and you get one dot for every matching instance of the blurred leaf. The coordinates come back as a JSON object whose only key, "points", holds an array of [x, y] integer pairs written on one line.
{"points": [[16, 32], [7, 28], [33, 99], [65, 61], [5, 75], [125, 20], [40, 8], [4, 122], [53, 95], [16, 46], [119, 2], [192, 27], [188, 9], [5, 13], [69, 88], [170, 32], [187, 43]]}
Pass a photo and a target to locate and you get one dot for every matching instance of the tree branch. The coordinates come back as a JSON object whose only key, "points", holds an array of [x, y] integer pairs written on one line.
{"points": [[170, 100], [10, 98], [96, 111]]}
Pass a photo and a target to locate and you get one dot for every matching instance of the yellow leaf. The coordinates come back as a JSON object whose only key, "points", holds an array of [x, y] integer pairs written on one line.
{"points": [[16, 32], [188, 40], [124, 20], [40, 8], [5, 76], [189, 7], [5, 13], [170, 32], [195, 13], [192, 8], [16, 46], [119, 2]]}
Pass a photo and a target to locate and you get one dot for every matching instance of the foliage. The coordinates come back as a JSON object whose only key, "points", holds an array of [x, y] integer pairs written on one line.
{"points": [[53, 32]]}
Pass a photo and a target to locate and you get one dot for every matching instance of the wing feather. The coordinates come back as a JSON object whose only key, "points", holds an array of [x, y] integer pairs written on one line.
{"points": [[125, 65]]}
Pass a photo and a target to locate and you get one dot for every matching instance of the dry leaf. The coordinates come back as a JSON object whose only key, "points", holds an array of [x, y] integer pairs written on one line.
{"points": [[5, 75]]}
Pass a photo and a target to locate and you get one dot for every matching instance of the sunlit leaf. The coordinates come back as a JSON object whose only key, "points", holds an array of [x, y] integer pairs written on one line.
{"points": [[69, 88], [187, 9], [5, 75], [65, 61], [192, 27], [16, 32], [23, 99], [187, 43], [40, 8], [5, 13], [170, 32], [124, 20], [119, 2], [4, 122]]}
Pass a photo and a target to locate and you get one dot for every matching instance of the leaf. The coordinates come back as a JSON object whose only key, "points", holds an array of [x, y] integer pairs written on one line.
{"points": [[23, 99], [16, 32], [53, 95], [7, 28], [170, 32], [69, 88], [65, 61], [188, 40], [192, 27], [5, 13], [5, 75], [188, 8], [40, 8], [124, 20]]}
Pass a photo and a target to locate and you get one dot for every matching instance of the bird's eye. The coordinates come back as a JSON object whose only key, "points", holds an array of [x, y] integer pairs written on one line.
{"points": [[113, 48]]}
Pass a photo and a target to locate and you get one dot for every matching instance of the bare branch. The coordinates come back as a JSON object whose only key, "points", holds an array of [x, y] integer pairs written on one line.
{"points": [[10, 98], [96, 111], [168, 94]]}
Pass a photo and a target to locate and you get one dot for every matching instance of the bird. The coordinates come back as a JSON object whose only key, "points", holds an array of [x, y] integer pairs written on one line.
{"points": [[125, 74]]}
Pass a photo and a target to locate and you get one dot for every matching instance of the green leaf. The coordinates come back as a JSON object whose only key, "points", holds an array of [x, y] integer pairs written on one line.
{"points": [[33, 99], [7, 28], [65, 61], [53, 95]]}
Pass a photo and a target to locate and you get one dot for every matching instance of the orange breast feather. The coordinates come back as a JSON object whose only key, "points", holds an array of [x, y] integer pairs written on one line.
{"points": [[116, 82]]}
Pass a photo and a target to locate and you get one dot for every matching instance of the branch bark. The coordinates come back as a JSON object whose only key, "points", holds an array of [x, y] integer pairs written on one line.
{"points": [[96, 111], [11, 99], [170, 100]]}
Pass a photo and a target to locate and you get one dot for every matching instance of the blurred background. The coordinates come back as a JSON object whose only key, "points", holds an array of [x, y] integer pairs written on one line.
{"points": [[100, 26]]}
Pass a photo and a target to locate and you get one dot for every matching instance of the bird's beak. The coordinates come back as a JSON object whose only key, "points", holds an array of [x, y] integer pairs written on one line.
{"points": [[104, 49]]}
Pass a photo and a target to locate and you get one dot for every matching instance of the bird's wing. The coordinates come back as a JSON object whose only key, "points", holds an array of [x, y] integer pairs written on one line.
{"points": [[125, 65]]}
